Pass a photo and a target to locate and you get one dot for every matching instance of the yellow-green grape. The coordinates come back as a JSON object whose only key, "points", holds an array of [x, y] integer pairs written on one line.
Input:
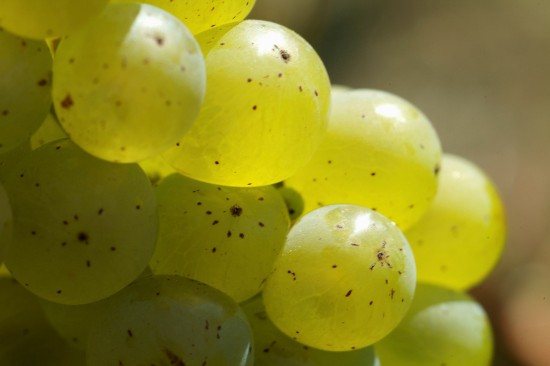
{"points": [[265, 109], [274, 348], [90, 225], [73, 322], [294, 202], [200, 15], [226, 237], [44, 19], [442, 327], [50, 130], [380, 152], [171, 320], [129, 84], [25, 87], [156, 168], [6, 218], [344, 280], [460, 239]]}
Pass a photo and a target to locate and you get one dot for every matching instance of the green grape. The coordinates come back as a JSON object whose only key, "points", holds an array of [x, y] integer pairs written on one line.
{"points": [[294, 202], [460, 239], [379, 152], [344, 280], [50, 130], [156, 168], [5, 221], [44, 19], [226, 237], [171, 320], [25, 86], [200, 15], [129, 84], [442, 327], [274, 348], [90, 225], [265, 109]]}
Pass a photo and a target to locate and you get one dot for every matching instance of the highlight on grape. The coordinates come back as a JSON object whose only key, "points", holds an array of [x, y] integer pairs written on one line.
{"points": [[180, 185]]}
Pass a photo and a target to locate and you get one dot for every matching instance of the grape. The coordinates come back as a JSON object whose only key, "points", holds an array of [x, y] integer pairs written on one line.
{"points": [[379, 152], [265, 108], [273, 348], [156, 168], [344, 280], [200, 15], [44, 19], [129, 84], [462, 236], [50, 130], [83, 228], [443, 327], [5, 221], [227, 237], [171, 320], [25, 85]]}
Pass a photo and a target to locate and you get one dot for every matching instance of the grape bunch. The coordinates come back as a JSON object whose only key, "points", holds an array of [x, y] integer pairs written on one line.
{"points": [[180, 185]]}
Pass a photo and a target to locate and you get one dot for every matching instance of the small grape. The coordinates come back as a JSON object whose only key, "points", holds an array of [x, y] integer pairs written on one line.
{"points": [[344, 280], [443, 327], [50, 130], [294, 202], [90, 225], [265, 109], [25, 87], [226, 237], [45, 19], [171, 320], [460, 239], [200, 15], [129, 84], [380, 152]]}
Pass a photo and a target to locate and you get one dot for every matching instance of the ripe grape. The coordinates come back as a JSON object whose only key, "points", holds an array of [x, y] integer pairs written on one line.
{"points": [[226, 237], [462, 236], [129, 84], [380, 152], [200, 15], [163, 320], [83, 228], [274, 348], [294, 202], [443, 327], [344, 280], [25, 86], [265, 108], [45, 19]]}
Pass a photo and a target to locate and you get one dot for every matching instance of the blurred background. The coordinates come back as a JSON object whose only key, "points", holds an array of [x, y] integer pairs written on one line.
{"points": [[480, 70]]}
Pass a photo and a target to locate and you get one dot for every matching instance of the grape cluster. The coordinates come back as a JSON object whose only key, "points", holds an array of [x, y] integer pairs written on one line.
{"points": [[181, 186]]}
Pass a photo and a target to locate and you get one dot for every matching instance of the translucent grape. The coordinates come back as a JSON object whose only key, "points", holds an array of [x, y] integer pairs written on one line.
{"points": [[129, 84], [265, 108], [200, 15], [294, 202], [50, 130], [344, 280], [227, 237], [274, 348], [44, 19], [443, 327], [462, 236], [90, 225], [25, 86], [171, 320], [379, 152], [5, 221]]}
